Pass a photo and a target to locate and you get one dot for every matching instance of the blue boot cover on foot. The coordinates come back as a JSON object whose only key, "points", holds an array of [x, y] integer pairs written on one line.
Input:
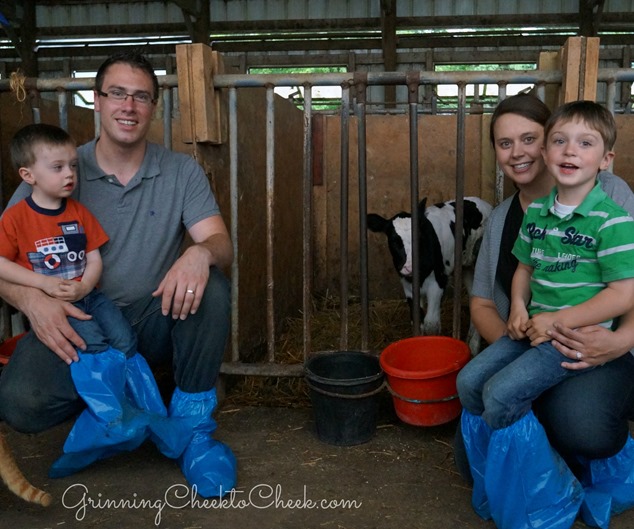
{"points": [[110, 424], [609, 486], [170, 434], [528, 484], [208, 465], [476, 434]]}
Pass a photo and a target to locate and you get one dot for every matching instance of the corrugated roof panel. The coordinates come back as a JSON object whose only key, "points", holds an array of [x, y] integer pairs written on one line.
{"points": [[296, 10], [149, 12], [466, 7], [97, 14]]}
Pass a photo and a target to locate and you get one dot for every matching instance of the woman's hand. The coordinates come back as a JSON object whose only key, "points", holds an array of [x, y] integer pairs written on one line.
{"points": [[587, 346]]}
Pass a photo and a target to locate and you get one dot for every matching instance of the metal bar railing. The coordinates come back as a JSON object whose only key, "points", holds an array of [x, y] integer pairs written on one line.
{"points": [[413, 82], [343, 213], [270, 221], [360, 82]]}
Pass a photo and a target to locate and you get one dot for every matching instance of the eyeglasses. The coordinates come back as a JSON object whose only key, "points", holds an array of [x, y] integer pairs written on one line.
{"points": [[143, 98]]}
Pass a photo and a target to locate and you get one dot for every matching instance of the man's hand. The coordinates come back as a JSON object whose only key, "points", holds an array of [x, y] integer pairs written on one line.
{"points": [[183, 286], [49, 320]]}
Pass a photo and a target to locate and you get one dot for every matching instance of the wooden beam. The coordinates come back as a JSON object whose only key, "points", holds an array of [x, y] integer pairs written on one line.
{"points": [[579, 65], [202, 118], [388, 45]]}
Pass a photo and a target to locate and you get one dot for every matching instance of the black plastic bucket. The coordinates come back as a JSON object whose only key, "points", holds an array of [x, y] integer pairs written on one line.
{"points": [[343, 389]]}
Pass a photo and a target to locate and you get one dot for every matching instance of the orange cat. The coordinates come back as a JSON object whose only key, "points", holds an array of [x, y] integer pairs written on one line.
{"points": [[14, 479]]}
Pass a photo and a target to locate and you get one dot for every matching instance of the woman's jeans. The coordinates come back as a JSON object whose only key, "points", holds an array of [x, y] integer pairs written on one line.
{"points": [[36, 389], [502, 382], [587, 415]]}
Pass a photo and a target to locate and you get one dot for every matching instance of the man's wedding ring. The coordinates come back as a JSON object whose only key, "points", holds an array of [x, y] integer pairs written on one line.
{"points": [[190, 291]]}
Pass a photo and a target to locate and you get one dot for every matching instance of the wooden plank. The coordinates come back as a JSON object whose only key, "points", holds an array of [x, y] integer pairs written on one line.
{"points": [[580, 65], [202, 117], [591, 69], [570, 67], [184, 92]]}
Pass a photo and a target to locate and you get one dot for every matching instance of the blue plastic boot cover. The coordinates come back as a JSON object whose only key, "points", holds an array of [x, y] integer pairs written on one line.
{"points": [[208, 465], [609, 486], [476, 434], [170, 434], [527, 483], [110, 423]]}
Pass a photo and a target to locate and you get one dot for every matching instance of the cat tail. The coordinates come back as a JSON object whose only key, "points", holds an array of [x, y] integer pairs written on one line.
{"points": [[15, 480]]}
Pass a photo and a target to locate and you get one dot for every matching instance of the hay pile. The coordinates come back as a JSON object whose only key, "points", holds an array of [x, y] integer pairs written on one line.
{"points": [[389, 321]]}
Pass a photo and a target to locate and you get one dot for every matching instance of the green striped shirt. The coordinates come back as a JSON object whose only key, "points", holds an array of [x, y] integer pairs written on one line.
{"points": [[573, 258]]}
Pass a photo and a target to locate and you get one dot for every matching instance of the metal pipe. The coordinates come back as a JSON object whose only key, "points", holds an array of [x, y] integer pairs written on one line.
{"points": [[167, 117], [307, 218], [458, 231], [343, 212], [412, 85], [270, 220], [361, 88], [62, 107], [388, 78], [234, 193]]}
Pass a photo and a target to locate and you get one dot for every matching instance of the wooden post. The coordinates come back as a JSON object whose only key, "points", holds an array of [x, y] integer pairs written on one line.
{"points": [[579, 66], [203, 119], [548, 61]]}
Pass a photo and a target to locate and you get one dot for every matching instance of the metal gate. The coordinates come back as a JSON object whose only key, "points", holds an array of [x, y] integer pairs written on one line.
{"points": [[353, 102]]}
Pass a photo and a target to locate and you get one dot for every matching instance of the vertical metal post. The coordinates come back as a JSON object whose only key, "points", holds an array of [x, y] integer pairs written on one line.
{"points": [[458, 231], [343, 211], [270, 220], [360, 82], [611, 95], [413, 81], [167, 117], [307, 217], [62, 108], [234, 194]]}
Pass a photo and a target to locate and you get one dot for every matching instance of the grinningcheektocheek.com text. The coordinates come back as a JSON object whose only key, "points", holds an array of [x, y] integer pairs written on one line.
{"points": [[79, 499]]}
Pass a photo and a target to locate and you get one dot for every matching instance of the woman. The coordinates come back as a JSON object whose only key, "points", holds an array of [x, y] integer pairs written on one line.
{"points": [[585, 417]]}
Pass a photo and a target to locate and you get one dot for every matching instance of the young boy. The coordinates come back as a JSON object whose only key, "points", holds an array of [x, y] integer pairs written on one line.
{"points": [[576, 266], [576, 253], [51, 242]]}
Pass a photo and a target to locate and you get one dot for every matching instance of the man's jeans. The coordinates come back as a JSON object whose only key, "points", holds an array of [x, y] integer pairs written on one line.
{"points": [[36, 389]]}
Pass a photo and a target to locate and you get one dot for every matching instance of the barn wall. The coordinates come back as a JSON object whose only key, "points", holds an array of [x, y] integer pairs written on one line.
{"points": [[389, 185], [252, 228], [252, 232]]}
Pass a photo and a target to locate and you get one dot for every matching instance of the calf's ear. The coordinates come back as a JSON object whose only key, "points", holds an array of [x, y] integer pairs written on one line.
{"points": [[421, 206], [376, 222]]}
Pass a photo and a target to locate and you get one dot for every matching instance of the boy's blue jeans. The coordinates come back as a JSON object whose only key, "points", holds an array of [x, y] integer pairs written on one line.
{"points": [[107, 328], [36, 389], [502, 382]]}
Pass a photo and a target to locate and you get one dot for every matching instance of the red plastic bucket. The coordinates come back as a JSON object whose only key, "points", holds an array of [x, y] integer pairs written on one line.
{"points": [[421, 375]]}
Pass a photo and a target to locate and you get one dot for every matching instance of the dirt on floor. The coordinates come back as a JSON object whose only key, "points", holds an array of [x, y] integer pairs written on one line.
{"points": [[404, 477]]}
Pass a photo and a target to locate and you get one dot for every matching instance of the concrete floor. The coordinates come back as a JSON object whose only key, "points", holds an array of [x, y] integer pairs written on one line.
{"points": [[403, 478]]}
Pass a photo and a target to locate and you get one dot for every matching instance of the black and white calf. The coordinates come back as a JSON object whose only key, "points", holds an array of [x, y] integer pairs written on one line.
{"points": [[436, 252]]}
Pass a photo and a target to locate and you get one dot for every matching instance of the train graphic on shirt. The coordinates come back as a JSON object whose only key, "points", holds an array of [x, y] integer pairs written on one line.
{"points": [[62, 255]]}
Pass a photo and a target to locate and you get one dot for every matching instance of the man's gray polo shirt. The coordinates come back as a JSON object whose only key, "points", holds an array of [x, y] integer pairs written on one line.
{"points": [[145, 220]]}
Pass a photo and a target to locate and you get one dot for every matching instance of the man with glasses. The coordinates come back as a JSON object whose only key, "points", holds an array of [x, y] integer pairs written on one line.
{"points": [[147, 198]]}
